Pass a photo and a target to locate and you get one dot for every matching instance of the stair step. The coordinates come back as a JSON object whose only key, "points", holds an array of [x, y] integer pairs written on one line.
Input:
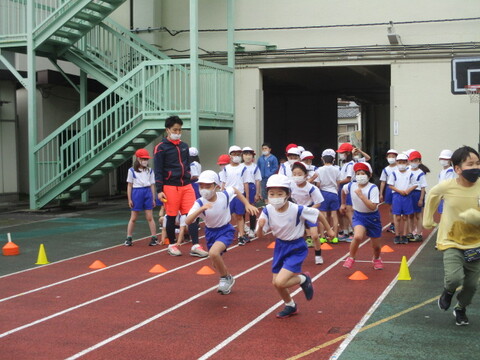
{"points": [[81, 26], [140, 141], [60, 41], [128, 150], [89, 17], [86, 181], [119, 158], [68, 34], [75, 190], [108, 166], [97, 174], [102, 9]]}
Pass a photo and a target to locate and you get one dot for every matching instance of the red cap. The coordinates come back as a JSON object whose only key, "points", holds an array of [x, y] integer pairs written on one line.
{"points": [[142, 154], [345, 147], [223, 159], [414, 155], [362, 166], [289, 146]]}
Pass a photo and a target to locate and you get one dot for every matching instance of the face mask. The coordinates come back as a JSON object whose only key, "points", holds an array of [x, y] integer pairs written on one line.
{"points": [[144, 163], [471, 175], [402, 167], [361, 179], [356, 157], [414, 165], [277, 203], [237, 159], [298, 179], [292, 161], [391, 161], [175, 137], [265, 153], [342, 156], [207, 193], [444, 163]]}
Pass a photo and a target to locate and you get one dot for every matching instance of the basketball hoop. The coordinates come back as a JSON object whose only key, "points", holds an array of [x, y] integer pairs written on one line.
{"points": [[474, 92]]}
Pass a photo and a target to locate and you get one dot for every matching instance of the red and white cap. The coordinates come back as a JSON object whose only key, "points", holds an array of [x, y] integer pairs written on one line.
{"points": [[208, 177], [329, 152], [248, 149], [278, 180], [293, 151], [402, 157], [289, 146], [223, 159], [301, 148], [392, 151], [345, 147], [362, 166], [414, 155], [142, 154], [234, 148], [306, 155]]}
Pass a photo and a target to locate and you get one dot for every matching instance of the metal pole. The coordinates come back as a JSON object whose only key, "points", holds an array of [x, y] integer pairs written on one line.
{"points": [[83, 103], [194, 72], [32, 103], [231, 62]]}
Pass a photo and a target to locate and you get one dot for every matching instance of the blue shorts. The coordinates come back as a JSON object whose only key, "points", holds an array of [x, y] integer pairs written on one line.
{"points": [[415, 194], [224, 234], [252, 191], [370, 221], [309, 224], [142, 198], [330, 202], [401, 205], [289, 255], [440, 207], [237, 207], [348, 200], [196, 188], [387, 199]]}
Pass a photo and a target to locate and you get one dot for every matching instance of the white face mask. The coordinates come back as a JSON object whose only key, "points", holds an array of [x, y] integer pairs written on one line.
{"points": [[175, 137], [361, 179], [391, 161], [402, 167], [444, 162], [298, 179], [414, 165], [144, 163], [292, 161], [237, 159], [265, 153], [356, 157], [342, 156], [207, 193], [277, 203]]}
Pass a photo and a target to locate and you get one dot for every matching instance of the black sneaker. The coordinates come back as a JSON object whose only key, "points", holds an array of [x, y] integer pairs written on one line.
{"points": [[391, 229], [153, 241], [287, 312], [460, 316], [397, 240], [242, 240], [445, 300], [410, 236], [307, 286], [404, 240], [128, 242]]}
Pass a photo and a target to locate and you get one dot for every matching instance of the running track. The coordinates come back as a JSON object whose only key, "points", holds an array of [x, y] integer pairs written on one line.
{"points": [[65, 310]]}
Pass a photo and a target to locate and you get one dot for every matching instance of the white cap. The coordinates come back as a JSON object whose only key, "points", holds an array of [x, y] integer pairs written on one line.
{"points": [[329, 152], [209, 177], [445, 154], [392, 151], [301, 148], [278, 180], [293, 151], [234, 148], [193, 151], [402, 157], [306, 154], [248, 148]]}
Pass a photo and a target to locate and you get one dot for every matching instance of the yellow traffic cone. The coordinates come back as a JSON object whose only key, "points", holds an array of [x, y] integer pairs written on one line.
{"points": [[42, 256], [404, 273]]}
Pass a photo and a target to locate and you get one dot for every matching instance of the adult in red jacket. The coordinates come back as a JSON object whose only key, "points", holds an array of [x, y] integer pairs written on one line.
{"points": [[174, 188]]}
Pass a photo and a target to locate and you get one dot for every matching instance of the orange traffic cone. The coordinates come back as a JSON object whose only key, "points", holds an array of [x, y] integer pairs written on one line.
{"points": [[271, 245], [206, 270], [358, 275], [386, 249], [157, 269], [10, 248], [326, 246], [97, 264], [166, 242]]}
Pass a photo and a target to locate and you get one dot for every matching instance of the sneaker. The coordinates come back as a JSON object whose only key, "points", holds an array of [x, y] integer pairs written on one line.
{"points": [[349, 239], [173, 250], [343, 238], [404, 240], [198, 251], [128, 242], [445, 300], [242, 240], [349, 262], [318, 260], [250, 233], [307, 286], [287, 312], [323, 240], [391, 229], [309, 241], [153, 241], [225, 285], [460, 316], [377, 264], [397, 240], [410, 236], [334, 240], [416, 238]]}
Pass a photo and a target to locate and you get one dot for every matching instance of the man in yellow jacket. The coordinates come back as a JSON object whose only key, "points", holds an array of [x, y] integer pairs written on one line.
{"points": [[458, 234]]}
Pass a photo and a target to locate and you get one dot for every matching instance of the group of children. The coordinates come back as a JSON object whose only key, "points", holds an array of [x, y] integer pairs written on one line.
{"points": [[301, 200]]}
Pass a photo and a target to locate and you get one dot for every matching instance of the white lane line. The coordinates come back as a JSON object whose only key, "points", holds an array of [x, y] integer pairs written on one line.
{"points": [[159, 315], [341, 348]]}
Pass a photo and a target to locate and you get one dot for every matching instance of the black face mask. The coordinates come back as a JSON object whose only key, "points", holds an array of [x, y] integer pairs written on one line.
{"points": [[471, 175]]}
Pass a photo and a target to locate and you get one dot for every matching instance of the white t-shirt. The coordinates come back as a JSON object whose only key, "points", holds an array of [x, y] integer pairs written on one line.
{"points": [[308, 195], [328, 175], [418, 178], [195, 169], [347, 170], [253, 173], [288, 225], [235, 176], [370, 191], [142, 178], [446, 174], [386, 172], [285, 169], [401, 180], [219, 214]]}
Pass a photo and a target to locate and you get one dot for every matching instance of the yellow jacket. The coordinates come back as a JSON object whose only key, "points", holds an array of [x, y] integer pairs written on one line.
{"points": [[460, 222]]}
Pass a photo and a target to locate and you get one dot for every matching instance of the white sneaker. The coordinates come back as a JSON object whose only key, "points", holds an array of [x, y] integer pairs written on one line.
{"points": [[250, 233], [197, 250], [173, 250], [225, 285], [318, 260]]}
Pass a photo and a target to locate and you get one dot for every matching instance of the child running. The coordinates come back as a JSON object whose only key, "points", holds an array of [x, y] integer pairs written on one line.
{"points": [[385, 190], [254, 178], [346, 174], [308, 195], [141, 194], [213, 208], [366, 218], [286, 220], [418, 195]]}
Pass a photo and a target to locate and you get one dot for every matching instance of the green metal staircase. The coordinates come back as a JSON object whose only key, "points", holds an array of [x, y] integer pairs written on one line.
{"points": [[144, 87]]}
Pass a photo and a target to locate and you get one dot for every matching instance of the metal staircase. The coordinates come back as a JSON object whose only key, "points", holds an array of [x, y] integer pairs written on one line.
{"points": [[144, 87]]}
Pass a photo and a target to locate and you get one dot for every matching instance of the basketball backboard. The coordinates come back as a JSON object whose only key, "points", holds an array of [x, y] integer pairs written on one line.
{"points": [[465, 71]]}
